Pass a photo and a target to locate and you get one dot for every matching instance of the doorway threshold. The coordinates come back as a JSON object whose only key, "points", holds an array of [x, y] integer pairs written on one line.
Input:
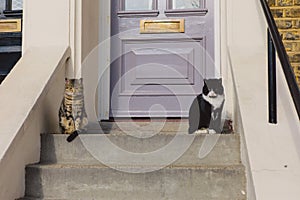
{"points": [[145, 127]]}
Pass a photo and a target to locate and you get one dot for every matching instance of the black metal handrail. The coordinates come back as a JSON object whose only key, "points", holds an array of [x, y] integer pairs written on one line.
{"points": [[275, 38]]}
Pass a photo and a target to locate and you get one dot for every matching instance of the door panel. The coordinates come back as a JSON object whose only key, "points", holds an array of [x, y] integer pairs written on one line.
{"points": [[167, 62], [163, 62], [159, 74]]}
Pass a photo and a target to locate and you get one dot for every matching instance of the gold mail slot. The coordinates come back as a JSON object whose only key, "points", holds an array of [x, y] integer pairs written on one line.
{"points": [[10, 25], [162, 26]]}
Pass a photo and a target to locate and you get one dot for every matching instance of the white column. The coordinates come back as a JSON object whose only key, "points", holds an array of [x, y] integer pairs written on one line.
{"points": [[74, 70]]}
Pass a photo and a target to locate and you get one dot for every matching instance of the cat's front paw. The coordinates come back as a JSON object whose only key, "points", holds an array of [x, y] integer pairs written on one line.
{"points": [[211, 131], [201, 131]]}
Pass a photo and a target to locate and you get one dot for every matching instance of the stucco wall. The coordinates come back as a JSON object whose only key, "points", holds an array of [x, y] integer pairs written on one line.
{"points": [[94, 61], [90, 26], [270, 152], [35, 102], [43, 28], [45, 38]]}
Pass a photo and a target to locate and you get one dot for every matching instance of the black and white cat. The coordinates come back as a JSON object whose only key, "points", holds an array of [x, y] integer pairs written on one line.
{"points": [[205, 111]]}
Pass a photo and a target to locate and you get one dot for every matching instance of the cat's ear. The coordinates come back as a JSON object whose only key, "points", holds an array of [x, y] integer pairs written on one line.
{"points": [[220, 80], [67, 81], [206, 83], [205, 88]]}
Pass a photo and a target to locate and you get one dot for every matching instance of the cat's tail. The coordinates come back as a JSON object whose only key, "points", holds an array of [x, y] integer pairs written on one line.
{"points": [[72, 137]]}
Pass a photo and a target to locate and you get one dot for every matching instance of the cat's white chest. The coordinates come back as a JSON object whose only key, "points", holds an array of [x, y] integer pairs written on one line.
{"points": [[215, 102]]}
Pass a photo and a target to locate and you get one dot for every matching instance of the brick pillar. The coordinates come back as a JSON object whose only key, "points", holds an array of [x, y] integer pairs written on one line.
{"points": [[287, 17]]}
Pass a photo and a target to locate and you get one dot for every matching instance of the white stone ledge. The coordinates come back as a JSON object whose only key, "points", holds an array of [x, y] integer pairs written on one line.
{"points": [[29, 102], [272, 151]]}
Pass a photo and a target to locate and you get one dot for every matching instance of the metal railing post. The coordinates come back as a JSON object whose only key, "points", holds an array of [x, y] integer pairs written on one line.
{"points": [[272, 84], [290, 77]]}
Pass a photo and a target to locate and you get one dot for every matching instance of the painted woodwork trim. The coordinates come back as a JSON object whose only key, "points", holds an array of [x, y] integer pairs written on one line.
{"points": [[8, 5], [147, 13], [179, 12], [200, 40], [134, 13]]}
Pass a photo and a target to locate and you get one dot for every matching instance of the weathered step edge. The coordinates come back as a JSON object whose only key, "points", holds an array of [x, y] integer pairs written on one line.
{"points": [[55, 149], [96, 182]]}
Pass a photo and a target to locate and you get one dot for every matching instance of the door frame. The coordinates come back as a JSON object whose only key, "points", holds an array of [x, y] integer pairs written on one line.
{"points": [[103, 104], [103, 96]]}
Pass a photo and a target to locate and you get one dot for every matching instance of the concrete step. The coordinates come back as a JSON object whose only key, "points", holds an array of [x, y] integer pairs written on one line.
{"points": [[226, 151], [69, 181], [76, 170], [29, 198]]}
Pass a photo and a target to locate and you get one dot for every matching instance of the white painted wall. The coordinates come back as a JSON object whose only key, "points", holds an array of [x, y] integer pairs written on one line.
{"points": [[227, 83], [54, 23], [245, 23], [266, 148], [237, 19], [29, 107], [32, 93], [46, 23], [96, 57]]}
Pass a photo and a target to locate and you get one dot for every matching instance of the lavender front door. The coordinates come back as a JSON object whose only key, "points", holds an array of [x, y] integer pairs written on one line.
{"points": [[161, 51]]}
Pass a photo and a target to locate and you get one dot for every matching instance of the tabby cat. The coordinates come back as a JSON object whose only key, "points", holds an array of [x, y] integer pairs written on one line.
{"points": [[72, 115]]}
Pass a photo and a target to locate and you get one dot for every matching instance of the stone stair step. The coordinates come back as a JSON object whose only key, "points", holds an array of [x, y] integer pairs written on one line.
{"points": [[78, 181], [55, 149], [32, 198], [28, 198], [68, 171]]}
